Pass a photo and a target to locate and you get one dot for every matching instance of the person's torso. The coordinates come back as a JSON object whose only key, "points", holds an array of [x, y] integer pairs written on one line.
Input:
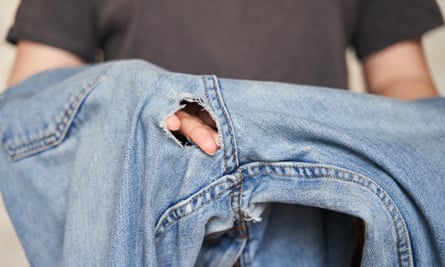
{"points": [[292, 41]]}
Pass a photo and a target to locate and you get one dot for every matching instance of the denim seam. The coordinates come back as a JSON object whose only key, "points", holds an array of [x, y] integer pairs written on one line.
{"points": [[226, 128], [404, 253], [240, 223], [245, 259], [230, 159], [236, 196], [183, 207], [56, 137]]}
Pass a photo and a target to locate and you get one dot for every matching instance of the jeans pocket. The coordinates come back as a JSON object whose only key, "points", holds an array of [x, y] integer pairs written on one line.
{"points": [[37, 114]]}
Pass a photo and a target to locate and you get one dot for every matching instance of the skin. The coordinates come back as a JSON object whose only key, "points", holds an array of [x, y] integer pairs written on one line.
{"points": [[399, 71]]}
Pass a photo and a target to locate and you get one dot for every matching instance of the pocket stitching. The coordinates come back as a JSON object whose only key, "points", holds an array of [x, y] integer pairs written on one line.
{"points": [[23, 150]]}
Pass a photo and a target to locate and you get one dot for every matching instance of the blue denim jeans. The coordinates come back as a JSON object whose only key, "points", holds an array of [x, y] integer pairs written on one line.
{"points": [[91, 177]]}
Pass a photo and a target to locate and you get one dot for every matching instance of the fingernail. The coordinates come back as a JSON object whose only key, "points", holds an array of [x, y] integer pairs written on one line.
{"points": [[218, 141]]}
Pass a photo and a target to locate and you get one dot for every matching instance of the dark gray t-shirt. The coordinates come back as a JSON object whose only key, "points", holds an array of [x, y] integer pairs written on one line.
{"points": [[300, 41]]}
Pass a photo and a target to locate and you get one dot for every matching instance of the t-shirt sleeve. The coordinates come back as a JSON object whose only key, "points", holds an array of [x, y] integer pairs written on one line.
{"points": [[66, 24], [381, 23]]}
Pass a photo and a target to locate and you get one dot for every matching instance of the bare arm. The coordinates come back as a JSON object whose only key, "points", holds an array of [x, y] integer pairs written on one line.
{"points": [[399, 71], [32, 58]]}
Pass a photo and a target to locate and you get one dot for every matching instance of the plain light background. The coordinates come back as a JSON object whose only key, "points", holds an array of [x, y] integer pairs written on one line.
{"points": [[11, 253]]}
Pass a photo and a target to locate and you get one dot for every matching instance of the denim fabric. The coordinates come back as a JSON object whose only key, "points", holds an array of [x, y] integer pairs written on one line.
{"points": [[91, 177]]}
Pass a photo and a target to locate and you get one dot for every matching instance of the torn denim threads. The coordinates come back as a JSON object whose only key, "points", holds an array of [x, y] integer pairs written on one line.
{"points": [[90, 177]]}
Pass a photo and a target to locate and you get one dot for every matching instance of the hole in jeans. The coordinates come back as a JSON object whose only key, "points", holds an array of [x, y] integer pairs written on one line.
{"points": [[193, 114]]}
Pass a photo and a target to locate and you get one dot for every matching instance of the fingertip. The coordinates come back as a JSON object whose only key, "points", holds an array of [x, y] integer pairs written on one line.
{"points": [[210, 149], [212, 144], [205, 141], [173, 123]]}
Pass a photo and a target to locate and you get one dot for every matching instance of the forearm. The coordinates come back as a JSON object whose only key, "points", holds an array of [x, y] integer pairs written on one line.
{"points": [[408, 89], [32, 58], [400, 71]]}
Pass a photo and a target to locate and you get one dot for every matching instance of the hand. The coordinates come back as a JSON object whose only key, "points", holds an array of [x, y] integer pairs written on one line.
{"points": [[196, 124]]}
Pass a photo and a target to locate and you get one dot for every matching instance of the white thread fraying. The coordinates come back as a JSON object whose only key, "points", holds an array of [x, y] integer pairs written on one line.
{"points": [[255, 212], [253, 219]]}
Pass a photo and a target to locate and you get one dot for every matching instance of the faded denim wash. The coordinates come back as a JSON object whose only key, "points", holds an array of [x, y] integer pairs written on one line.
{"points": [[91, 177]]}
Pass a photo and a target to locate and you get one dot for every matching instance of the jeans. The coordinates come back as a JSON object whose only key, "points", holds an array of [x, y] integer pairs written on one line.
{"points": [[91, 177]]}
